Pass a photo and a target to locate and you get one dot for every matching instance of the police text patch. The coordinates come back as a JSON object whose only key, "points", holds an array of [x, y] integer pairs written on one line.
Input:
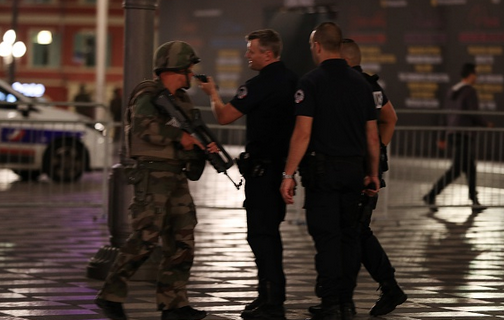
{"points": [[378, 99]]}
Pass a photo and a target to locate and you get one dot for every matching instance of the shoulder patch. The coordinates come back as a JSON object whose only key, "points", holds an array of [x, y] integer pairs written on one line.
{"points": [[241, 92], [299, 96], [378, 99]]}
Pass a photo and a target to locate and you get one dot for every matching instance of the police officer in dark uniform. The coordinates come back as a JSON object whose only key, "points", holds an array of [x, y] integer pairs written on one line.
{"points": [[267, 100], [374, 257], [335, 135]]}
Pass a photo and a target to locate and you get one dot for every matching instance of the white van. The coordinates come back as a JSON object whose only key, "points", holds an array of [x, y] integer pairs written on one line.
{"points": [[36, 138]]}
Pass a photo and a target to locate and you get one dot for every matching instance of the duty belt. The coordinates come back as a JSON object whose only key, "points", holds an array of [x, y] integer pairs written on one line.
{"points": [[175, 167]]}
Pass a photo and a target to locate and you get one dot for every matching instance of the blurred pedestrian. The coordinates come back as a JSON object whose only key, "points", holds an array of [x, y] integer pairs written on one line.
{"points": [[84, 96], [461, 97]]}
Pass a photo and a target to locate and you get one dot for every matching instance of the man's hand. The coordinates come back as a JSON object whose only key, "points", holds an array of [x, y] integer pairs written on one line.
{"points": [[208, 87], [371, 181], [441, 144], [188, 142], [287, 189], [212, 148]]}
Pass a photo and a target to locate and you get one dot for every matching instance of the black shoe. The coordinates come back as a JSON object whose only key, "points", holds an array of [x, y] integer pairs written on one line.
{"points": [[390, 298], [112, 310], [332, 313], [256, 303], [184, 313], [265, 312], [348, 310], [430, 200], [477, 207], [315, 309]]}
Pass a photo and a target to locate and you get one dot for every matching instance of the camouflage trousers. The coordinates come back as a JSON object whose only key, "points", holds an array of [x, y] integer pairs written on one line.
{"points": [[161, 208]]}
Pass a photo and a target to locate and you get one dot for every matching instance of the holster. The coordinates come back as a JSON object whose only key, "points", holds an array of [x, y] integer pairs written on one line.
{"points": [[251, 167], [312, 166]]}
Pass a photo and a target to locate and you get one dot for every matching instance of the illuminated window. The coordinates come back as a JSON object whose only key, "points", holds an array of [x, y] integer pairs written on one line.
{"points": [[45, 52]]}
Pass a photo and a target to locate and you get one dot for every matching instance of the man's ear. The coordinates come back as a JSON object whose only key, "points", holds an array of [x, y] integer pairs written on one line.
{"points": [[269, 55]]}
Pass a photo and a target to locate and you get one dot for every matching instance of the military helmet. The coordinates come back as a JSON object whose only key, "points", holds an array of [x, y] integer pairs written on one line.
{"points": [[174, 56]]}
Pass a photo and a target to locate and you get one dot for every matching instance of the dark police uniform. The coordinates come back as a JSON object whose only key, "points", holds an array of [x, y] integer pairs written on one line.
{"points": [[267, 100], [374, 258], [340, 101]]}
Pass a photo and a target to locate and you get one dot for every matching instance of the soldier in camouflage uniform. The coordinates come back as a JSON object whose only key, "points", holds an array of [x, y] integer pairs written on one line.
{"points": [[162, 206]]}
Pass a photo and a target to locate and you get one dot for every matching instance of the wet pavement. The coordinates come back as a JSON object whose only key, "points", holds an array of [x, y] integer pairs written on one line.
{"points": [[449, 263]]}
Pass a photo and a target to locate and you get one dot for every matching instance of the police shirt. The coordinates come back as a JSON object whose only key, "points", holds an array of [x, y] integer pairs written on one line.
{"points": [[379, 95], [267, 100], [340, 101]]}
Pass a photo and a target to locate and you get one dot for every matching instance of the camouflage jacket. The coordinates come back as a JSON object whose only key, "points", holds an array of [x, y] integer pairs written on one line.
{"points": [[147, 128]]}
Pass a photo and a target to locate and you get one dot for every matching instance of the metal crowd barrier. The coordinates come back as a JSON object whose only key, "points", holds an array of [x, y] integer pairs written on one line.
{"points": [[417, 162], [48, 158]]}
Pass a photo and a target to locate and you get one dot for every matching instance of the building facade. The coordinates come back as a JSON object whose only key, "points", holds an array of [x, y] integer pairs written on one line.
{"points": [[68, 62]]}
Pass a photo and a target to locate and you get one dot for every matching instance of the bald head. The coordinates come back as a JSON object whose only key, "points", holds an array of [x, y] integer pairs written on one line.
{"points": [[350, 52]]}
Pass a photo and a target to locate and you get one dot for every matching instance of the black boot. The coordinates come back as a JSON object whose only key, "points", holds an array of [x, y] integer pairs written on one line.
{"points": [[186, 313], [265, 311], [391, 296], [112, 310], [315, 309], [348, 310], [332, 312], [257, 302]]}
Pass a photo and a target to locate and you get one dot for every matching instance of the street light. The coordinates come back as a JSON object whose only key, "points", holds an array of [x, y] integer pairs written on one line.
{"points": [[10, 49]]}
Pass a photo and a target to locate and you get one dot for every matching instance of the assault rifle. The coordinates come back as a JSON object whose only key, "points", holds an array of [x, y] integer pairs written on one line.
{"points": [[197, 128]]}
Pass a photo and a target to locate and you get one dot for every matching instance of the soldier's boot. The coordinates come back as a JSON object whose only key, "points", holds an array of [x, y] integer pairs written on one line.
{"points": [[112, 310], [391, 296], [184, 313]]}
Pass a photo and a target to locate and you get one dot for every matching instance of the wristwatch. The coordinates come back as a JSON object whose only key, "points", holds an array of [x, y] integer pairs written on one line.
{"points": [[287, 176]]}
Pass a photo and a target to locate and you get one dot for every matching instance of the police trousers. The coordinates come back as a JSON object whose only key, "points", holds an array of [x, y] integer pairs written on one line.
{"points": [[265, 211], [374, 258], [332, 217], [162, 208]]}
